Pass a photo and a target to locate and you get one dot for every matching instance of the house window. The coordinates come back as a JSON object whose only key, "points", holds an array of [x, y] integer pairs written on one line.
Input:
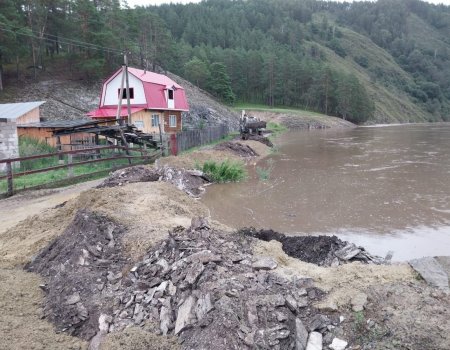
{"points": [[155, 120], [170, 94], [173, 121], [124, 93]]}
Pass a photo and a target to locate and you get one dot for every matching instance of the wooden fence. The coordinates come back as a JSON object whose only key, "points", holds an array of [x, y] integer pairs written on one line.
{"points": [[144, 157], [197, 137]]}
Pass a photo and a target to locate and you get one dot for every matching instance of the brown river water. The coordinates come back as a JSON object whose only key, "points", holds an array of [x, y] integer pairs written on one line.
{"points": [[385, 188]]}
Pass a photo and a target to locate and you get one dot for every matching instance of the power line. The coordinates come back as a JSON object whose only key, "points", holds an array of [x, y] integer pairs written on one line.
{"points": [[61, 39], [86, 46]]}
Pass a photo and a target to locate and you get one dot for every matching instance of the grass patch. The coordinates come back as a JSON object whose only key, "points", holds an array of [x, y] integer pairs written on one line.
{"points": [[265, 172], [38, 179], [277, 109], [31, 147], [225, 171], [276, 128]]}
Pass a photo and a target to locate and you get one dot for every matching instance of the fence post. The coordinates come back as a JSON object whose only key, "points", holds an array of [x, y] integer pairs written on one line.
{"points": [[70, 167], [59, 148], [9, 173]]}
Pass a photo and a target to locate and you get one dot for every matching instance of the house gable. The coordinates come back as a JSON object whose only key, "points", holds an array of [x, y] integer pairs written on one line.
{"points": [[111, 90]]}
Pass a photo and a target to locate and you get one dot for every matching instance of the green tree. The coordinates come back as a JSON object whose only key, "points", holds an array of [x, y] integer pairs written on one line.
{"points": [[197, 72], [220, 83]]}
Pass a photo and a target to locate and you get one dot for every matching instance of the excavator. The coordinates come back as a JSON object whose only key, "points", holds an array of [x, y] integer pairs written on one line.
{"points": [[249, 125]]}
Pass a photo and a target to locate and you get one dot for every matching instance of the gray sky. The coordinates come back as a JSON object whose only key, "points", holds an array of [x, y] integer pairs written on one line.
{"points": [[133, 3]]}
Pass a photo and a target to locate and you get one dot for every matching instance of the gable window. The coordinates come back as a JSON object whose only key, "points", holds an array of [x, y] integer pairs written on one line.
{"points": [[172, 121], [155, 120], [170, 94], [124, 93]]}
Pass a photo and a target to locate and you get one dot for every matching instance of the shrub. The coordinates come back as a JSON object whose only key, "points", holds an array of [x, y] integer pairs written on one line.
{"points": [[264, 173], [225, 171]]}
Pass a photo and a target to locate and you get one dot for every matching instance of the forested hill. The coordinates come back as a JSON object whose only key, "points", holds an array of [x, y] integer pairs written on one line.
{"points": [[385, 61]]}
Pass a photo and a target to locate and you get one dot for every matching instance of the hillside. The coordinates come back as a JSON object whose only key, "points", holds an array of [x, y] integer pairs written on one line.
{"points": [[367, 62], [71, 99]]}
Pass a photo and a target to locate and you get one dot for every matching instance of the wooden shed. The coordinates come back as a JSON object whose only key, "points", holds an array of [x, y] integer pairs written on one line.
{"points": [[43, 131], [12, 114]]}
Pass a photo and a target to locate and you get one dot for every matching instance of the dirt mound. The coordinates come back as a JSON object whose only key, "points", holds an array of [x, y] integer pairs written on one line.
{"points": [[129, 175], [237, 148], [21, 323], [206, 287], [260, 138], [319, 250], [135, 338], [80, 268]]}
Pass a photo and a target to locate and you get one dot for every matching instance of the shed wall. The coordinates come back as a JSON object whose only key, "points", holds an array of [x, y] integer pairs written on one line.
{"points": [[30, 117], [9, 142]]}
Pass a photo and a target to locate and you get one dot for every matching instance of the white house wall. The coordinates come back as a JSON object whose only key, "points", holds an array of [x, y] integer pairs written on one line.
{"points": [[110, 92]]}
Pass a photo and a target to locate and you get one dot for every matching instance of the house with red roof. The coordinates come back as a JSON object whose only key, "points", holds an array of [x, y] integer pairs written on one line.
{"points": [[155, 99]]}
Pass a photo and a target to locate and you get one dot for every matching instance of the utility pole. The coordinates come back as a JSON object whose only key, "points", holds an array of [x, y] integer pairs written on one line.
{"points": [[119, 105], [125, 57]]}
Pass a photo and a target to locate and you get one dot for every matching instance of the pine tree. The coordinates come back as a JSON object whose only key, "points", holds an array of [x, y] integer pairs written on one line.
{"points": [[220, 83]]}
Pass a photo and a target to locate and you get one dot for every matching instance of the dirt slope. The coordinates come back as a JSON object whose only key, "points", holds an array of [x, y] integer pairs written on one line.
{"points": [[72, 99]]}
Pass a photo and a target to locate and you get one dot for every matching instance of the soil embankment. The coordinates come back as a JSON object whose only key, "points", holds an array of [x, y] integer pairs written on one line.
{"points": [[123, 265], [299, 120]]}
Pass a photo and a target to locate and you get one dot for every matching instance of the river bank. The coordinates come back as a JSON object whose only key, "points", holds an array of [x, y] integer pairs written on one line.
{"points": [[200, 297]]}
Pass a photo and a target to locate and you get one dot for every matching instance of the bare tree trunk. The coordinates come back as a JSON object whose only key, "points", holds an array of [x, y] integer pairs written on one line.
{"points": [[1, 78]]}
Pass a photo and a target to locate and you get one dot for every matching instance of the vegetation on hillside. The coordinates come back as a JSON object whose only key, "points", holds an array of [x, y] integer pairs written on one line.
{"points": [[359, 61]]}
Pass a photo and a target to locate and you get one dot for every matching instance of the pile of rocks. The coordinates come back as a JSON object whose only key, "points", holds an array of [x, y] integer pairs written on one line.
{"points": [[82, 270], [319, 250], [202, 285], [207, 288], [133, 174], [189, 181]]}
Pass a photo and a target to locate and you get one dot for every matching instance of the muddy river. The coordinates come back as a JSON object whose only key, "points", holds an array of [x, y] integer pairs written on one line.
{"points": [[386, 188]]}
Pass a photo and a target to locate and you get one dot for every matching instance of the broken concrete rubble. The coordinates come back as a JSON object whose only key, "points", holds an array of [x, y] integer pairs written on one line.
{"points": [[203, 285], [432, 272], [265, 263], [314, 341], [338, 344], [189, 181]]}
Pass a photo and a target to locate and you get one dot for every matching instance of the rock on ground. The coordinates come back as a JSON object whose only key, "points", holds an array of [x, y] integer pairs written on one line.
{"points": [[314, 341], [432, 272]]}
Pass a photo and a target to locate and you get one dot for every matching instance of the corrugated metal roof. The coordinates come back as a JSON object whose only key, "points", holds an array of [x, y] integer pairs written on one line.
{"points": [[16, 110], [57, 124]]}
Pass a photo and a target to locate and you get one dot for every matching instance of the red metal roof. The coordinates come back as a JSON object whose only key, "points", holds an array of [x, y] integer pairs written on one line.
{"points": [[154, 78], [155, 89], [111, 112]]}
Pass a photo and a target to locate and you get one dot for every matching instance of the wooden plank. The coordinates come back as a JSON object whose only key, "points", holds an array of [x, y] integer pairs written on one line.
{"points": [[10, 179]]}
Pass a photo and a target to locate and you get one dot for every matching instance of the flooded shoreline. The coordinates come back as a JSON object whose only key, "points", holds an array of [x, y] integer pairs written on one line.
{"points": [[386, 188]]}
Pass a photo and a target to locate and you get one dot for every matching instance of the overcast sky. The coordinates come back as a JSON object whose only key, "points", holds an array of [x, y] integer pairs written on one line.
{"points": [[133, 3]]}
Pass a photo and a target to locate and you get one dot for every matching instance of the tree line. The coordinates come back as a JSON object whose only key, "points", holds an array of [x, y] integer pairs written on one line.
{"points": [[256, 51]]}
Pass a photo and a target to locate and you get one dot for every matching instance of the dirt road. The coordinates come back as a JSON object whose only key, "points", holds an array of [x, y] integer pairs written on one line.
{"points": [[19, 207]]}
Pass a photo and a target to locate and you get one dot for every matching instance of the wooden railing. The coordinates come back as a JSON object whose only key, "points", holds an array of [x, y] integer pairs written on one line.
{"points": [[145, 156]]}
